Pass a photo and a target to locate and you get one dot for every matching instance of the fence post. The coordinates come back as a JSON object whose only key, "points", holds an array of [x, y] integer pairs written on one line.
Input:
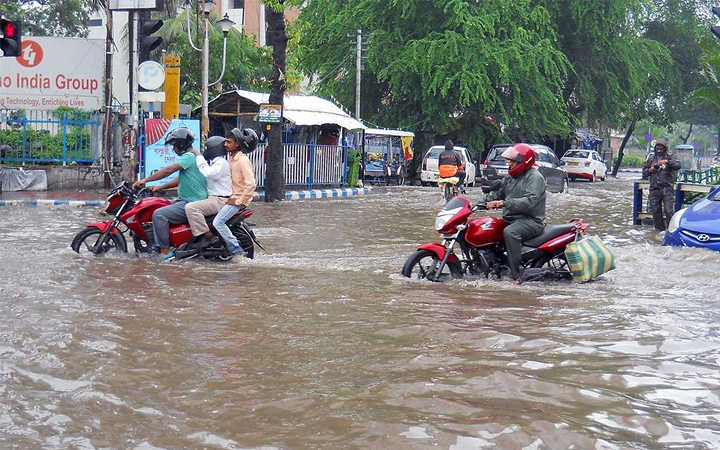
{"points": [[637, 203], [64, 136], [343, 176], [311, 172], [24, 138], [679, 197]]}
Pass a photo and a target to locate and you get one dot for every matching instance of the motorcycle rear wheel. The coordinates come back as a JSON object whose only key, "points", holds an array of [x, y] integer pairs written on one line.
{"points": [[85, 240], [245, 241], [419, 266]]}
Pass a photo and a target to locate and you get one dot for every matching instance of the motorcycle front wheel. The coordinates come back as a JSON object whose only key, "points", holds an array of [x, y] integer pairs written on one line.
{"points": [[84, 242], [422, 265]]}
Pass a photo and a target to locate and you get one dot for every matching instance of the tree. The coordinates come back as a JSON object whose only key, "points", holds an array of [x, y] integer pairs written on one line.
{"points": [[278, 39], [51, 17], [438, 67], [248, 65]]}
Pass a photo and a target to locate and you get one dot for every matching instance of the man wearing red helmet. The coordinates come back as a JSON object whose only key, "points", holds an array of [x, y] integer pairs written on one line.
{"points": [[522, 198]]}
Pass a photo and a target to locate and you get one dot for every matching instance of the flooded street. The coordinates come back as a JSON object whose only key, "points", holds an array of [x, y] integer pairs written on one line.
{"points": [[321, 343]]}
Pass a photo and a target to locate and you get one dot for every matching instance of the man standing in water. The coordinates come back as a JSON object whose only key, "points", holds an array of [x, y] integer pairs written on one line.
{"points": [[522, 198], [660, 168]]}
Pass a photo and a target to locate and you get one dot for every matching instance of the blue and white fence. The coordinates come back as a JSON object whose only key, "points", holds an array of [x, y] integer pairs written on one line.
{"points": [[49, 136], [306, 164]]}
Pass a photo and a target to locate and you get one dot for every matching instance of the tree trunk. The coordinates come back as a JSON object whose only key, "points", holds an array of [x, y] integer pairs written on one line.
{"points": [[275, 178], [629, 133], [107, 153], [685, 139]]}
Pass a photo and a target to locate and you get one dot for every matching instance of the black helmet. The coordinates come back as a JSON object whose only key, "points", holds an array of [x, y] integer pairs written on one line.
{"points": [[246, 138], [181, 138], [449, 145], [214, 147]]}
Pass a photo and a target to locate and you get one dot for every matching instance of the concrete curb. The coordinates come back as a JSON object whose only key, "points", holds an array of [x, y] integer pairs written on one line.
{"points": [[289, 195]]}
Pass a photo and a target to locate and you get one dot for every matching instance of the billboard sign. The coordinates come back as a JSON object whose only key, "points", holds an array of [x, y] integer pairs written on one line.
{"points": [[157, 155], [52, 72]]}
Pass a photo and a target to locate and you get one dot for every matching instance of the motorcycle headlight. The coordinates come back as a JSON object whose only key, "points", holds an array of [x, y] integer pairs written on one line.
{"points": [[444, 216], [675, 220]]}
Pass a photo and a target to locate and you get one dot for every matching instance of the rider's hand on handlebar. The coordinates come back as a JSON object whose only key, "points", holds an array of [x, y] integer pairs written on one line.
{"points": [[495, 204], [155, 188], [138, 184]]}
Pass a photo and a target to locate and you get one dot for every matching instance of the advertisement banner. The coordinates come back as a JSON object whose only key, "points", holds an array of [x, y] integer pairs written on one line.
{"points": [[52, 72], [157, 155]]}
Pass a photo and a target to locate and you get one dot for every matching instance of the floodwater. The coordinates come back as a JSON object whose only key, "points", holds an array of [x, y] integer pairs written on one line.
{"points": [[322, 344]]}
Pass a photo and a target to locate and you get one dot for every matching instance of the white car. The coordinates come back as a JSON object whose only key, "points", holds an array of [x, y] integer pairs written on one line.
{"points": [[429, 173], [584, 164]]}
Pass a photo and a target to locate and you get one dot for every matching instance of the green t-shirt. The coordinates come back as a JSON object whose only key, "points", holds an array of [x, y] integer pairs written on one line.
{"points": [[192, 185]]}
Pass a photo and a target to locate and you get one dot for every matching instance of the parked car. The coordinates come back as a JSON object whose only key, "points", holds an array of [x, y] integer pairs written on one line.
{"points": [[495, 167], [697, 225], [585, 164], [429, 172]]}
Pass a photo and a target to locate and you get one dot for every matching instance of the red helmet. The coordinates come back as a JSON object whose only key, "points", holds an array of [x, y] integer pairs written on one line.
{"points": [[521, 153]]}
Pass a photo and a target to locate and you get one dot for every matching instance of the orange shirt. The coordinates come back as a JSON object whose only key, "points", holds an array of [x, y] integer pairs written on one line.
{"points": [[243, 179]]}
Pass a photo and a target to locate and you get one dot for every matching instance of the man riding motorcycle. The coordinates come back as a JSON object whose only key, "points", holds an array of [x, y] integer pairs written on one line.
{"points": [[190, 183], [216, 170], [522, 197], [450, 164]]}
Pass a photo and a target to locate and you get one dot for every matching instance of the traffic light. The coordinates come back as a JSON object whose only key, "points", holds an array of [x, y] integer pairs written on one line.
{"points": [[10, 41], [716, 29], [146, 41]]}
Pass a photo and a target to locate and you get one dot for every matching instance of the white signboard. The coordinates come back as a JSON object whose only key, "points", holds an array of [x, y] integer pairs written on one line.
{"points": [[132, 4], [52, 72]]}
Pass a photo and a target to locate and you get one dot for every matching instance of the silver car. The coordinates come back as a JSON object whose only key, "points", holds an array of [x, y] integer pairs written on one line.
{"points": [[495, 167]]}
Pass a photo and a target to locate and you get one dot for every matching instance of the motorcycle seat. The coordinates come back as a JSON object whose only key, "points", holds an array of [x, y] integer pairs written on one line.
{"points": [[551, 231]]}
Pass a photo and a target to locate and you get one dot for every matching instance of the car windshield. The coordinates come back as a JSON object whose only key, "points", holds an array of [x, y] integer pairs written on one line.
{"points": [[715, 196], [434, 153], [496, 153], [577, 154]]}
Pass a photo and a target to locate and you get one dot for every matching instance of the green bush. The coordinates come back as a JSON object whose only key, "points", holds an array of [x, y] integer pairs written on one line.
{"points": [[630, 161], [42, 144]]}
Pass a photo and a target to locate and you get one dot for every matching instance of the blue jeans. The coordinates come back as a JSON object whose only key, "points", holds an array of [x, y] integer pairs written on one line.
{"points": [[221, 217]]}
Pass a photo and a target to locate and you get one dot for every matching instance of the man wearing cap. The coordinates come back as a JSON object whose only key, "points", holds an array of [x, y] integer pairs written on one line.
{"points": [[660, 168]]}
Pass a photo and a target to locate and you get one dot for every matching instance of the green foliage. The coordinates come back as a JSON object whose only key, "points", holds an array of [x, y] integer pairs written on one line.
{"points": [[630, 161], [438, 67], [248, 66], [51, 17], [44, 144]]}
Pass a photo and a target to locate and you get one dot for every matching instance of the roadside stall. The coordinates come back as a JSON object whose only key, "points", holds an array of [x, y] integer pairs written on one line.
{"points": [[386, 154], [317, 134]]}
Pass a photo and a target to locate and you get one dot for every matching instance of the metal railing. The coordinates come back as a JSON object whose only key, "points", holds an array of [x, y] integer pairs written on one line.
{"points": [[49, 136], [708, 176], [306, 164]]}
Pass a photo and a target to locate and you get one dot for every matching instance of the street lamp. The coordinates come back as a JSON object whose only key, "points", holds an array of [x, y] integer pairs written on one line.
{"points": [[225, 25]]}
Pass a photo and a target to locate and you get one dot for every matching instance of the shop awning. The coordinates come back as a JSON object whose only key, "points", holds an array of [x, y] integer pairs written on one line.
{"points": [[388, 132], [303, 109]]}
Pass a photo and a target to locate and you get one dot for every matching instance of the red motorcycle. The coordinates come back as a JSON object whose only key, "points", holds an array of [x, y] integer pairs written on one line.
{"points": [[482, 247], [132, 212]]}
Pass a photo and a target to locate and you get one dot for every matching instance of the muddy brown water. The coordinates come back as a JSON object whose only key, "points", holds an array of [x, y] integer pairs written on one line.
{"points": [[322, 344]]}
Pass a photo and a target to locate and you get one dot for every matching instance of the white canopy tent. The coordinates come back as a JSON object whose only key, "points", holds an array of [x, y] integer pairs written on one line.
{"points": [[306, 110]]}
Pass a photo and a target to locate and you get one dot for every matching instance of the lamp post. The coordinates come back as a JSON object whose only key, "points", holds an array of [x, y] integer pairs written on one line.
{"points": [[225, 25]]}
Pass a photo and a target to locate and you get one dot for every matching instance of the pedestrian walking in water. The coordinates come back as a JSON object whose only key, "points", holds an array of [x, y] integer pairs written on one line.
{"points": [[660, 168]]}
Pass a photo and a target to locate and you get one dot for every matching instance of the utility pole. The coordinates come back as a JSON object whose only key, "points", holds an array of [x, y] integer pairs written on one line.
{"points": [[358, 72]]}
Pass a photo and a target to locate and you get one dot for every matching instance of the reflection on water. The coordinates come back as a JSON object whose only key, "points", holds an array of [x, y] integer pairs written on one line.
{"points": [[321, 343]]}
